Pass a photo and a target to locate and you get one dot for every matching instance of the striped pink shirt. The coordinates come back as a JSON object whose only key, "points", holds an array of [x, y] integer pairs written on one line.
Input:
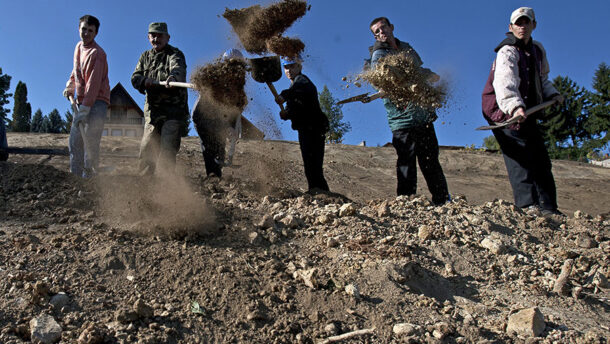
{"points": [[89, 76]]}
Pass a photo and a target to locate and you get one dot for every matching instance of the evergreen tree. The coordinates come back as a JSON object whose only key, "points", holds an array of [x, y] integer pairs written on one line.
{"points": [[45, 126], [68, 122], [21, 116], [564, 127], [599, 120], [36, 125], [55, 122], [5, 84], [329, 106]]}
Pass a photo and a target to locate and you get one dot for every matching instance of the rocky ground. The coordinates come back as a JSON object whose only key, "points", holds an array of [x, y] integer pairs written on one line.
{"points": [[251, 258]]}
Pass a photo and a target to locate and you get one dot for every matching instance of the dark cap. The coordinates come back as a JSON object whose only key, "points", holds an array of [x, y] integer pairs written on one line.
{"points": [[157, 28]]}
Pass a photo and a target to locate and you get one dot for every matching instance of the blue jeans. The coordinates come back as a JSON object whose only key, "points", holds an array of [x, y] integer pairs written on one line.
{"points": [[82, 163]]}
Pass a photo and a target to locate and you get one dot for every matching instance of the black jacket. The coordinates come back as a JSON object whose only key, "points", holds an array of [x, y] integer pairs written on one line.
{"points": [[303, 106]]}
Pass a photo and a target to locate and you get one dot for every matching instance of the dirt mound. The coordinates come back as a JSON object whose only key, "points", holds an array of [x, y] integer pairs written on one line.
{"points": [[253, 258], [405, 82], [256, 26]]}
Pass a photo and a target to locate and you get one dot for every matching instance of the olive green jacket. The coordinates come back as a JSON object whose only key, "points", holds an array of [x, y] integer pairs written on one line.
{"points": [[162, 103]]}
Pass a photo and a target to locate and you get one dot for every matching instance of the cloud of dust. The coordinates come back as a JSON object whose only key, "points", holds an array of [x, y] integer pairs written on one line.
{"points": [[159, 205]]}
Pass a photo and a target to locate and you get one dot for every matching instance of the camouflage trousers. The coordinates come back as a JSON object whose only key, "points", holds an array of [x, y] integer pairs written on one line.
{"points": [[160, 143]]}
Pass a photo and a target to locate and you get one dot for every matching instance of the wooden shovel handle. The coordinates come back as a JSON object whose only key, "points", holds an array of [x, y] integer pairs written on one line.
{"points": [[273, 90], [176, 84]]}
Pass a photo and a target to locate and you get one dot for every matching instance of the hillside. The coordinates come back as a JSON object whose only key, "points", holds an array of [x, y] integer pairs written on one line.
{"points": [[251, 258]]}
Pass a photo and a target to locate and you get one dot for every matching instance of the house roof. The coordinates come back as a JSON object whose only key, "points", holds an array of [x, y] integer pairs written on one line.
{"points": [[118, 94]]}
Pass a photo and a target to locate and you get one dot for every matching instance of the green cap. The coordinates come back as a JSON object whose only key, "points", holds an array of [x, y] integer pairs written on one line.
{"points": [[157, 28]]}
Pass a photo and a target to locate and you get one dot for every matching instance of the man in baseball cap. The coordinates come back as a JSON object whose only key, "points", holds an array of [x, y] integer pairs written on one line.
{"points": [[522, 12], [519, 80]]}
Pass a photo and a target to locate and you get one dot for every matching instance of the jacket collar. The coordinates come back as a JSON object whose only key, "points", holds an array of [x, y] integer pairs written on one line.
{"points": [[512, 40], [383, 45]]}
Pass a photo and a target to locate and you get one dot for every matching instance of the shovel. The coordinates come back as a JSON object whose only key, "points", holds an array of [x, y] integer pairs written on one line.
{"points": [[267, 70], [528, 112], [81, 127]]}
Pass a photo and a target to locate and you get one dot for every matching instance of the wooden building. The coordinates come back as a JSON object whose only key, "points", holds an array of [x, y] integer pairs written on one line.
{"points": [[124, 117]]}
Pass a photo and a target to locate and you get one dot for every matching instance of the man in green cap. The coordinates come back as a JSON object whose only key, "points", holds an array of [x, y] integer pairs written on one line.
{"points": [[166, 109]]}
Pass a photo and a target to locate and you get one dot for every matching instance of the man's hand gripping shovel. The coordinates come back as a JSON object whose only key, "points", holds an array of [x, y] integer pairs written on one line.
{"points": [[82, 127]]}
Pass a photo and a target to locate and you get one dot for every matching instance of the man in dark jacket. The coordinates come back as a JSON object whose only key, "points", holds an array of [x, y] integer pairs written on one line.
{"points": [[303, 110], [519, 80], [413, 134], [166, 109]]}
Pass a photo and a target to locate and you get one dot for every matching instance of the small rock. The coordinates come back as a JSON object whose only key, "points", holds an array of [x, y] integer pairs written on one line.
{"points": [[323, 219], [527, 322], [44, 329], [494, 246], [424, 232], [585, 241], [600, 280], [331, 329], [255, 238], [353, 290], [142, 309], [59, 300], [90, 335], [347, 209], [332, 242], [310, 277], [290, 221], [125, 316], [266, 222], [404, 329]]}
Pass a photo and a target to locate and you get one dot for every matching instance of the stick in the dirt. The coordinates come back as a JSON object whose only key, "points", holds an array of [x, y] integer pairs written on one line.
{"points": [[347, 335], [560, 284]]}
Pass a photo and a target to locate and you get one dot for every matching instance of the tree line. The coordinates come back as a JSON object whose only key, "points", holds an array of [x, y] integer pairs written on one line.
{"points": [[22, 119], [578, 128]]}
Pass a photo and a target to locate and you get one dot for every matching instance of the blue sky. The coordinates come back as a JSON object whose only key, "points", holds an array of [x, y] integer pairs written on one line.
{"points": [[454, 38]]}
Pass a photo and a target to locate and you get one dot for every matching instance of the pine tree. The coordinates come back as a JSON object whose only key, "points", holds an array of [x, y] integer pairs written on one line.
{"points": [[564, 127], [21, 116], [45, 126], [599, 121], [55, 122], [329, 106], [5, 84], [68, 122], [36, 125]]}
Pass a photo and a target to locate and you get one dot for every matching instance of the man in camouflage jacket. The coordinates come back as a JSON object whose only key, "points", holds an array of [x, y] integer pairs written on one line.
{"points": [[166, 109]]}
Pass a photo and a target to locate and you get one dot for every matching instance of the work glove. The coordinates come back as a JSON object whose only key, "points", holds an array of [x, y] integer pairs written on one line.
{"points": [[68, 92], [81, 115]]}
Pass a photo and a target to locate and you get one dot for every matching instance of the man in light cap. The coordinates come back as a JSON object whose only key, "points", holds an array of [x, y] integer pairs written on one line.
{"points": [[303, 110], [519, 80], [166, 109]]}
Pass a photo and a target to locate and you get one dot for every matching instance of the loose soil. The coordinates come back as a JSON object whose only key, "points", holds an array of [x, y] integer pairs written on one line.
{"points": [[252, 258], [256, 25], [405, 82]]}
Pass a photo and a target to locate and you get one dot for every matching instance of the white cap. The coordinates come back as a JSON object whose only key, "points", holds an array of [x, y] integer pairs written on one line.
{"points": [[522, 12]]}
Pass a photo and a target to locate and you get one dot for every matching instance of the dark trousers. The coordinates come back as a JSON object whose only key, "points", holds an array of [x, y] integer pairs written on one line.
{"points": [[419, 143], [212, 138], [312, 151], [528, 166]]}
